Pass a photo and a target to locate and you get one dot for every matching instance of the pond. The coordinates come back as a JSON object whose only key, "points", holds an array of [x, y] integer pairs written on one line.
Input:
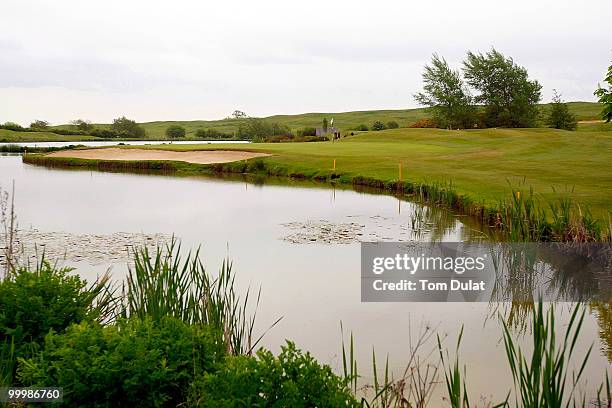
{"points": [[278, 237]]}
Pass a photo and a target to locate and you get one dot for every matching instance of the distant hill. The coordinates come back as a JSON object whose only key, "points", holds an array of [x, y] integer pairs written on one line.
{"points": [[343, 120]]}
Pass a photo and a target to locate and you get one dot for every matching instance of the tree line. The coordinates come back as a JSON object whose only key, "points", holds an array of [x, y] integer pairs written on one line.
{"points": [[121, 127], [490, 90]]}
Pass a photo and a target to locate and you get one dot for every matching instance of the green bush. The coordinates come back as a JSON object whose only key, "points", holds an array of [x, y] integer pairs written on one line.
{"points": [[127, 126], [175, 132], [33, 302], [108, 134], [259, 129], [362, 128], [16, 127], [83, 125], [133, 363], [307, 131], [559, 116], [39, 125], [213, 134], [292, 379], [378, 125], [392, 125]]}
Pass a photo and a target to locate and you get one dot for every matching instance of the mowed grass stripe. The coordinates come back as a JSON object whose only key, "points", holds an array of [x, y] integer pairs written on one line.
{"points": [[480, 163]]}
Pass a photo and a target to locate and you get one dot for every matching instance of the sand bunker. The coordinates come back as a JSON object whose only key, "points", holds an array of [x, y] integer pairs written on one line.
{"points": [[199, 156]]}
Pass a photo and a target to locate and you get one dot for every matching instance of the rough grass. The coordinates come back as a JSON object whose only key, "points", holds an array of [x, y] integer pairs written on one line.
{"points": [[343, 120], [9, 136]]}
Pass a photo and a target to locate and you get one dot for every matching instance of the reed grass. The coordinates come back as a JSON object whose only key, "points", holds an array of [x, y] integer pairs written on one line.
{"points": [[167, 283], [8, 363], [412, 389], [526, 216], [454, 379], [543, 380]]}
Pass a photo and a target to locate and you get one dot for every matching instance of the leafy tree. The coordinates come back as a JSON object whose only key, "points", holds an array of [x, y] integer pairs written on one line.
{"points": [[560, 116], [445, 92], [325, 124], [307, 131], [83, 125], [238, 114], [378, 125], [605, 97], [39, 125], [175, 132], [212, 134], [127, 127], [392, 124], [510, 98], [13, 126], [362, 128], [259, 129]]}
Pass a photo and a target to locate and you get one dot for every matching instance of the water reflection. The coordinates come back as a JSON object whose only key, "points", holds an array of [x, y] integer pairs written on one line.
{"points": [[313, 286]]}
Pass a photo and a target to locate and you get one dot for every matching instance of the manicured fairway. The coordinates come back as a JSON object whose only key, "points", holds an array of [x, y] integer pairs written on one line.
{"points": [[480, 163]]}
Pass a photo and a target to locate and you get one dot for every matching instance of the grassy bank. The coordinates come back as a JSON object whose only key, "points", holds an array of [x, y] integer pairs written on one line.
{"points": [[9, 136], [483, 166]]}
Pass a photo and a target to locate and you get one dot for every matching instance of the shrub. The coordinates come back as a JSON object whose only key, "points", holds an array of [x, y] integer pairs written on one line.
{"points": [[16, 127], [378, 125], [127, 126], [134, 362], [259, 129], [175, 132], [39, 125], [33, 302], [292, 379], [307, 131], [392, 125], [67, 132], [424, 123], [362, 128], [212, 134], [560, 116], [107, 133], [83, 125]]}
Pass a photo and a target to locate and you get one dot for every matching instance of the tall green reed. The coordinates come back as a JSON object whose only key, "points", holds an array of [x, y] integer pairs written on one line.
{"points": [[543, 380], [412, 389], [8, 363], [167, 283]]}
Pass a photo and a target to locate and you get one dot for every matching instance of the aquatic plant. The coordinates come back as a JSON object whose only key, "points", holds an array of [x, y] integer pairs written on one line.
{"points": [[455, 385], [166, 283], [8, 362], [543, 380], [413, 388]]}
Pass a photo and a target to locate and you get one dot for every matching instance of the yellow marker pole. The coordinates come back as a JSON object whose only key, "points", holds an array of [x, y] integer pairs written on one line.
{"points": [[400, 171], [334, 164]]}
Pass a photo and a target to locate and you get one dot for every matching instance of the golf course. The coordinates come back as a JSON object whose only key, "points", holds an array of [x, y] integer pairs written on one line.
{"points": [[485, 165]]}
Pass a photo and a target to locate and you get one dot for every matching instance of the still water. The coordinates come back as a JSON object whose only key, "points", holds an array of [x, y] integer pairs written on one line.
{"points": [[271, 233]]}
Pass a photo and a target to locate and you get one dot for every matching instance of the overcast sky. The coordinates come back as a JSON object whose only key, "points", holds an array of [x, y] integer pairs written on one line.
{"points": [[201, 59]]}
